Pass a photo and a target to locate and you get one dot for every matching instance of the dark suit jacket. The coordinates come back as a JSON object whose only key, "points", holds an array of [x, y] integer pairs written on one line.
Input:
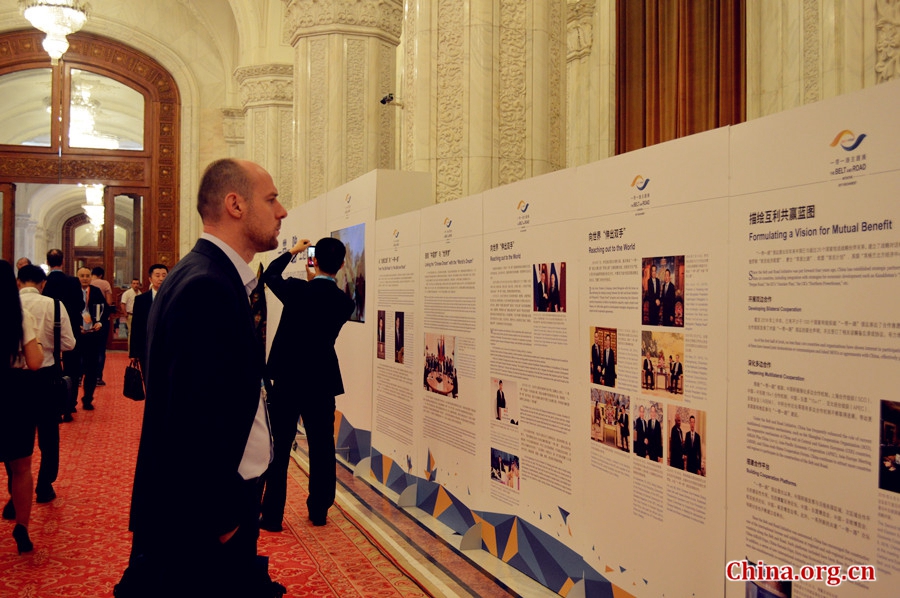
{"points": [[596, 357], [204, 368], [314, 312], [140, 315], [654, 438], [96, 304], [609, 368], [67, 290], [652, 294], [676, 447], [693, 452], [668, 304], [640, 432]]}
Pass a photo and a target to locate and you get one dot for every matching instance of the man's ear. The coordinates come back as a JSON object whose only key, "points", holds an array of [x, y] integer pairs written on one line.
{"points": [[234, 205]]}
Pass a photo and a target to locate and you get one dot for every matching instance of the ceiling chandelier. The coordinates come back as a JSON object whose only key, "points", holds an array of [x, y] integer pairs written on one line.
{"points": [[94, 209], [56, 18]]}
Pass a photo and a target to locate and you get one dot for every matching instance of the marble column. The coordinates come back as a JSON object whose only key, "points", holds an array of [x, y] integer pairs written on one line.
{"points": [[591, 84], [345, 57], [267, 94], [803, 52], [484, 92], [233, 125], [26, 227]]}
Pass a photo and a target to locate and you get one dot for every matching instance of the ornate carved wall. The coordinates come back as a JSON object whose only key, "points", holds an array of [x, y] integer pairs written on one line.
{"points": [[345, 62], [267, 99]]}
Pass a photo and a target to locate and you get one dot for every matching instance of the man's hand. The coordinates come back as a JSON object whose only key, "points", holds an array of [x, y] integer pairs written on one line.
{"points": [[301, 245]]}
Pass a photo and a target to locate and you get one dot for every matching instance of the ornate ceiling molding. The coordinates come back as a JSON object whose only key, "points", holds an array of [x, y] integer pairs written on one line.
{"points": [[266, 84], [382, 18]]}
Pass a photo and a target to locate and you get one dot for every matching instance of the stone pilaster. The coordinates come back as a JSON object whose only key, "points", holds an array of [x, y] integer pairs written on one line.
{"points": [[345, 57], [267, 95]]}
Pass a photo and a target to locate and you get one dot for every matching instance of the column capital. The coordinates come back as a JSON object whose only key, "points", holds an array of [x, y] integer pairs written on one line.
{"points": [[379, 18], [265, 84]]}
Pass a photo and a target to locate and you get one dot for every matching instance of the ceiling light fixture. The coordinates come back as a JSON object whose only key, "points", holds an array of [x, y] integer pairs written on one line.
{"points": [[56, 18]]}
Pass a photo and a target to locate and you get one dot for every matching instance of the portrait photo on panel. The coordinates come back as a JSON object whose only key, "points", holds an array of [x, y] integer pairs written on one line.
{"points": [[549, 281], [440, 365], [603, 355], [505, 400], [686, 439], [379, 335], [399, 338], [662, 288], [889, 468], [610, 422], [767, 588], [662, 363], [647, 434], [505, 468], [352, 277]]}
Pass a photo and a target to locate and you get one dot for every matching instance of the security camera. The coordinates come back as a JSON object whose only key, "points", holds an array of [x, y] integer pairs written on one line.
{"points": [[387, 99]]}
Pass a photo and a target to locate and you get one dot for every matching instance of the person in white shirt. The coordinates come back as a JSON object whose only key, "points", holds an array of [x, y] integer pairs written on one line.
{"points": [[31, 280], [127, 302]]}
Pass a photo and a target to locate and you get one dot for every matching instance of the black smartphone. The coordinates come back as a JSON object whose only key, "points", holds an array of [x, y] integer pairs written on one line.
{"points": [[310, 254]]}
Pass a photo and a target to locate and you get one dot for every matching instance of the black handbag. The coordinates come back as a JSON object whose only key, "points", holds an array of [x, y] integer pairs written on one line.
{"points": [[134, 381]]}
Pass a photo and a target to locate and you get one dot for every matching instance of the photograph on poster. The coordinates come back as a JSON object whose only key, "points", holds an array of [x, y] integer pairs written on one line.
{"points": [[664, 352], [398, 336], [379, 335], [686, 433], [440, 365], [549, 286], [603, 355], [769, 589], [505, 395], [889, 470], [662, 287], [609, 418], [505, 468], [648, 431], [352, 277]]}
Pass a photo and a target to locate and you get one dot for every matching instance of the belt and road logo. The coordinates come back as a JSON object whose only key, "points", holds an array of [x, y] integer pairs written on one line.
{"points": [[447, 222], [641, 199], [848, 140], [640, 183], [523, 206]]}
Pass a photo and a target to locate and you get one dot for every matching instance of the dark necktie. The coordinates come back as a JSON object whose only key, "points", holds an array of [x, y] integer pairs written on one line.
{"points": [[258, 308]]}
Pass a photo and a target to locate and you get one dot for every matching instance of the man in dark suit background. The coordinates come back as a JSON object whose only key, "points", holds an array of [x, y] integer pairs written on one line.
{"points": [[667, 296], [314, 312], [677, 371], [652, 298], [94, 314], [67, 290], [501, 400], [654, 436], [649, 378], [640, 434], [596, 358], [608, 363], [676, 445], [692, 448], [137, 347], [205, 441]]}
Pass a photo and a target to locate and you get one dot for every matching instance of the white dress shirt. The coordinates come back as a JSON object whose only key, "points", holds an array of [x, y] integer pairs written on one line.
{"points": [[41, 308]]}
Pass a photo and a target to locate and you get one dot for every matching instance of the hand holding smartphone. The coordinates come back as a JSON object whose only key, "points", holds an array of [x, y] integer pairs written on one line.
{"points": [[310, 255]]}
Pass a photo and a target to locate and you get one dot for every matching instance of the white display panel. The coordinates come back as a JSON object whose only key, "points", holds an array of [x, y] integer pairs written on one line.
{"points": [[446, 347], [651, 480], [813, 330], [531, 306], [397, 380]]}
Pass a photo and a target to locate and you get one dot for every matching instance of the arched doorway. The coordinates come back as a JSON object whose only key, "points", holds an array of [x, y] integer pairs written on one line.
{"points": [[146, 171]]}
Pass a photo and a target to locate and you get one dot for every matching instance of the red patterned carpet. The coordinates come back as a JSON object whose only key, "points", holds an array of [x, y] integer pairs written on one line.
{"points": [[82, 543]]}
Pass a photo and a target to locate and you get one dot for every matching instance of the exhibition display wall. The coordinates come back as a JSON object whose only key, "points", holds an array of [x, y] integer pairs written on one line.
{"points": [[663, 374]]}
